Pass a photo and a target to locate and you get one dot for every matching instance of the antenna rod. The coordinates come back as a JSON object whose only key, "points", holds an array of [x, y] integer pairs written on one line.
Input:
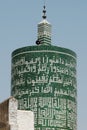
{"points": [[44, 10]]}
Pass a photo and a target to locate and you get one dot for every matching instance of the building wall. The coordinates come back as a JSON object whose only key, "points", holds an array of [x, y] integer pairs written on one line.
{"points": [[5, 128], [4, 115], [25, 120], [13, 119], [44, 81], [13, 106]]}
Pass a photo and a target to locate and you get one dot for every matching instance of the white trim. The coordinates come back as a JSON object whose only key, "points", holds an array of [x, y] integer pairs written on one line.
{"points": [[45, 52], [44, 21]]}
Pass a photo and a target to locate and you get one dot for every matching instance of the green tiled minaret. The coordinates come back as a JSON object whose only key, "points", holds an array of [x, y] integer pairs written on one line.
{"points": [[43, 79]]}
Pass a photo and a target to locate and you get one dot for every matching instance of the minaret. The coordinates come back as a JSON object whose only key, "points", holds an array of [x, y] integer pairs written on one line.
{"points": [[43, 80], [44, 30]]}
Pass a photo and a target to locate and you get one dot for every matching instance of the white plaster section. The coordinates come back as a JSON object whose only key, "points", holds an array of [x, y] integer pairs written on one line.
{"points": [[13, 105], [19, 119], [25, 120], [13, 127]]}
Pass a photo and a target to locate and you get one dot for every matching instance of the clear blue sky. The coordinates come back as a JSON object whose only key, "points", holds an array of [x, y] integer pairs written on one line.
{"points": [[18, 28]]}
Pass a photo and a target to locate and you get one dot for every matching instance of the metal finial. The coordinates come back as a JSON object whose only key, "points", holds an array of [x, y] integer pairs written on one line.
{"points": [[44, 12]]}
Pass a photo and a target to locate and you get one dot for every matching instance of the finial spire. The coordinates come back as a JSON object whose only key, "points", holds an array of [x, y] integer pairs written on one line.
{"points": [[44, 30], [44, 12]]}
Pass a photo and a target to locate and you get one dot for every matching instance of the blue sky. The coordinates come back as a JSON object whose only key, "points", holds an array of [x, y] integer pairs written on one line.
{"points": [[18, 28]]}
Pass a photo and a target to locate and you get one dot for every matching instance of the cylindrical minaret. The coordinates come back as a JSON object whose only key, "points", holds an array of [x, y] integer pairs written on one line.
{"points": [[44, 81]]}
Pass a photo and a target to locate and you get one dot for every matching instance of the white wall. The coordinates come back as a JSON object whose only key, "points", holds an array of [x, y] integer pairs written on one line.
{"points": [[19, 119], [25, 120], [13, 105]]}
